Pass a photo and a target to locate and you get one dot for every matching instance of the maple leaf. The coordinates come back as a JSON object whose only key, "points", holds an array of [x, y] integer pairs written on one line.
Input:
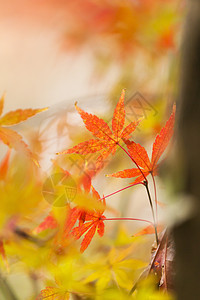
{"points": [[73, 216], [84, 202], [106, 139], [10, 137], [140, 156], [117, 266], [149, 230], [93, 221], [48, 223], [52, 293]]}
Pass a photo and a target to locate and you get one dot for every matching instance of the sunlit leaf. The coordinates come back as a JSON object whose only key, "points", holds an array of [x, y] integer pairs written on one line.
{"points": [[140, 156]]}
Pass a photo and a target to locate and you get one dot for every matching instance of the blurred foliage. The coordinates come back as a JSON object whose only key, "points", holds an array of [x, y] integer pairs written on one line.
{"points": [[138, 38]]}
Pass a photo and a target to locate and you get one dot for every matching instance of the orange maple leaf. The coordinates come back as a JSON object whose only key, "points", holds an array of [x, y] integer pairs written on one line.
{"points": [[10, 137], [140, 156], [93, 221], [75, 214], [149, 230], [106, 139]]}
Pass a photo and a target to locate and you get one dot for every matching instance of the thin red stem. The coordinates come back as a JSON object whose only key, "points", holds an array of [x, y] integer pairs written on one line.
{"points": [[147, 189], [109, 195], [127, 219], [133, 160]]}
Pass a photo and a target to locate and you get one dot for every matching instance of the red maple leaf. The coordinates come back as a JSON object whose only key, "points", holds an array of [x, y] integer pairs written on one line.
{"points": [[140, 156], [75, 214], [106, 139], [94, 221]]}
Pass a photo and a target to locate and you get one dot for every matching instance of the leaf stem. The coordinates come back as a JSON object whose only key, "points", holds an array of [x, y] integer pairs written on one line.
{"points": [[133, 160], [127, 187], [128, 219], [153, 214]]}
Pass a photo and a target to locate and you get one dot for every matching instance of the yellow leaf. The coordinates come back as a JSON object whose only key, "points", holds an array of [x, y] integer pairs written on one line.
{"points": [[52, 293], [19, 115], [14, 140]]}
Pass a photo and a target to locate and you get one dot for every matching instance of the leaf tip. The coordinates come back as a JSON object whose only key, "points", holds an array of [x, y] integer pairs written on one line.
{"points": [[44, 109], [36, 162], [4, 95], [123, 93], [62, 152], [174, 107]]}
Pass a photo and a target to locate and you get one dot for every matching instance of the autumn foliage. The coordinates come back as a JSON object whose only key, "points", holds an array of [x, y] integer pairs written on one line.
{"points": [[83, 215]]}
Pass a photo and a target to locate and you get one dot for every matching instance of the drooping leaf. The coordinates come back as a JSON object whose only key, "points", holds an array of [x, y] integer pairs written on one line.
{"points": [[19, 115], [14, 140], [10, 137]]}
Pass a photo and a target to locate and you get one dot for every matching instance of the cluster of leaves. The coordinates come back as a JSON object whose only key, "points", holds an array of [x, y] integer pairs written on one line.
{"points": [[98, 20], [65, 270], [106, 141]]}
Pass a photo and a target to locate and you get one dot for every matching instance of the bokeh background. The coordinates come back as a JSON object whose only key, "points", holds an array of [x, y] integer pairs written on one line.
{"points": [[59, 50]]}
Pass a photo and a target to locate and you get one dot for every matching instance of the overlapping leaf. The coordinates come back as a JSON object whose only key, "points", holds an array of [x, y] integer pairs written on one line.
{"points": [[93, 221], [10, 137], [88, 208], [140, 156], [106, 139]]}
